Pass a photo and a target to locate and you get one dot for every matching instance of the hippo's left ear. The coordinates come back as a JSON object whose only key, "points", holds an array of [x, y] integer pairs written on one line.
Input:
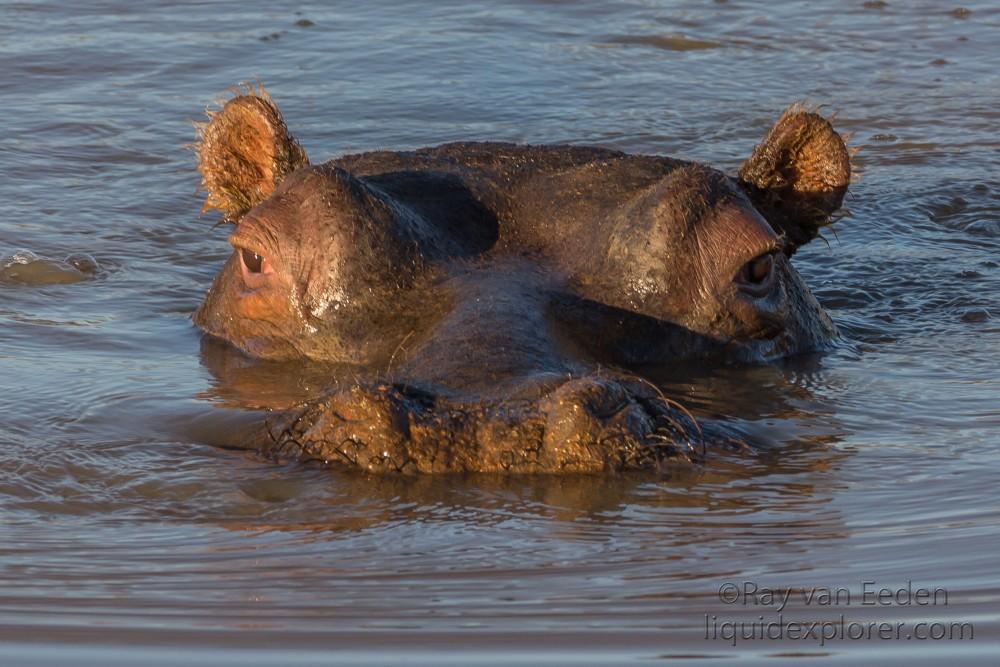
{"points": [[244, 152], [798, 175]]}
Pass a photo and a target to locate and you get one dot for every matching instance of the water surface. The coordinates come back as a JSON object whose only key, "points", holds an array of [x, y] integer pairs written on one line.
{"points": [[128, 537]]}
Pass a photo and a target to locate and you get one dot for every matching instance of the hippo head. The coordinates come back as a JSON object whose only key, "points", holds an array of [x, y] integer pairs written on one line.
{"points": [[499, 282]]}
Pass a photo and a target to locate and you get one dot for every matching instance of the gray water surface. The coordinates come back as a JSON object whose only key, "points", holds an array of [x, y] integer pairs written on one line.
{"points": [[127, 536]]}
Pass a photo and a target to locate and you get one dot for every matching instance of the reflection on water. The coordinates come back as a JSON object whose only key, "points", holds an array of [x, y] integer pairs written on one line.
{"points": [[240, 381], [130, 515]]}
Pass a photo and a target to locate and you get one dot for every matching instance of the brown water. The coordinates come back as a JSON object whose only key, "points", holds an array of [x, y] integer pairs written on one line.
{"points": [[129, 537]]}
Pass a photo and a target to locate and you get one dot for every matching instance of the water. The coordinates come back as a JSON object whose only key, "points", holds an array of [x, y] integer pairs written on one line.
{"points": [[128, 537]]}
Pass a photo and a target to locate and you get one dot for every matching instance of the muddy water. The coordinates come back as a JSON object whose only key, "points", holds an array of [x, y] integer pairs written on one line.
{"points": [[129, 537]]}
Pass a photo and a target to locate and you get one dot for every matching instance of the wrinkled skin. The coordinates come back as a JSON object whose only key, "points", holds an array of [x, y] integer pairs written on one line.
{"points": [[491, 297]]}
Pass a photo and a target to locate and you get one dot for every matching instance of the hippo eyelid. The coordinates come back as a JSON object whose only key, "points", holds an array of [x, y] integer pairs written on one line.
{"points": [[242, 242]]}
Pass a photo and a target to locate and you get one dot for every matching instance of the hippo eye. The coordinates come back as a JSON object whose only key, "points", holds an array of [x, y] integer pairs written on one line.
{"points": [[759, 269], [253, 261], [756, 275]]}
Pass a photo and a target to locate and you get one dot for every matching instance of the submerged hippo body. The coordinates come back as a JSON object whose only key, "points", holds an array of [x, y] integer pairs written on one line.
{"points": [[490, 296]]}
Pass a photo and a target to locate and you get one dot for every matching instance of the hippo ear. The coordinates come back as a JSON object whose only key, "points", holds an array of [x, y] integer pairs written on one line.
{"points": [[798, 175], [244, 152]]}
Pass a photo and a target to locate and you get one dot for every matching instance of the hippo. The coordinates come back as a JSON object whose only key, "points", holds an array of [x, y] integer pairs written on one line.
{"points": [[492, 302]]}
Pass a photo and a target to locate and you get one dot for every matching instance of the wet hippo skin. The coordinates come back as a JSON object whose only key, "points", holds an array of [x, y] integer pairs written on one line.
{"points": [[490, 298]]}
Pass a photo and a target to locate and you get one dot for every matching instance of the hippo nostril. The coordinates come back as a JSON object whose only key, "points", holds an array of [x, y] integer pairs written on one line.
{"points": [[757, 275]]}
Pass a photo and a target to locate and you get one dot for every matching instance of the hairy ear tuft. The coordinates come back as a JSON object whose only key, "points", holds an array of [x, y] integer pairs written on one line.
{"points": [[244, 151], [798, 176]]}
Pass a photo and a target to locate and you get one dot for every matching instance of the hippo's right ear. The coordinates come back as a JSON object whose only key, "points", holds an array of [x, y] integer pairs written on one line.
{"points": [[244, 152], [798, 175]]}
